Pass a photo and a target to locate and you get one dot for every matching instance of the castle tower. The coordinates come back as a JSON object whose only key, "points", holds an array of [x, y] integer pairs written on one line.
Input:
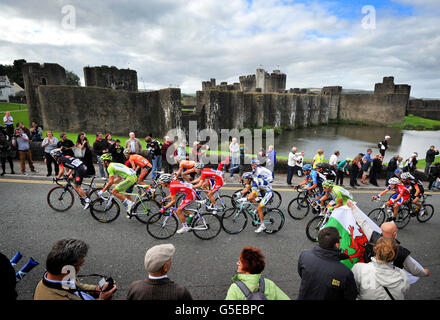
{"points": [[111, 77]]}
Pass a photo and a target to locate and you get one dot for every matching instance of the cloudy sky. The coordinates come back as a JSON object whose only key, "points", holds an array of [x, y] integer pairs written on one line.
{"points": [[183, 42]]}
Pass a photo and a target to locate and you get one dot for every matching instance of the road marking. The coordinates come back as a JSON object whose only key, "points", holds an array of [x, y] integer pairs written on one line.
{"points": [[223, 188]]}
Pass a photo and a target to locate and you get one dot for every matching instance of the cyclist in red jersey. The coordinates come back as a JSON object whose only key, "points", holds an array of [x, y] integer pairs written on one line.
{"points": [[175, 187], [401, 195], [209, 179]]}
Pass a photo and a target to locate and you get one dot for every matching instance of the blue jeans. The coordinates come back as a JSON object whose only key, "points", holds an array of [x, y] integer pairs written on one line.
{"points": [[157, 165], [101, 167]]}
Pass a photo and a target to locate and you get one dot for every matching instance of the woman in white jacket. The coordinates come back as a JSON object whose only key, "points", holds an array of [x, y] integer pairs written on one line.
{"points": [[373, 279]]}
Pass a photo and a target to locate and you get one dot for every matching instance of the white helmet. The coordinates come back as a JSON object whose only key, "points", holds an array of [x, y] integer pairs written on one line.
{"points": [[165, 178], [199, 165], [394, 181], [406, 175]]}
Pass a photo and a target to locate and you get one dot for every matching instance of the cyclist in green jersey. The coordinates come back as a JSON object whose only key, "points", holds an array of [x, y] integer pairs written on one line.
{"points": [[116, 173], [338, 195]]}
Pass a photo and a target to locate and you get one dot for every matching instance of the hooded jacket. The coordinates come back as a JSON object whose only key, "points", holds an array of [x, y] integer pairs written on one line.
{"points": [[252, 281], [324, 277], [372, 277]]}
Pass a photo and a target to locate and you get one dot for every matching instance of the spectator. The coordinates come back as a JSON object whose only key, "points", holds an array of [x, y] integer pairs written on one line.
{"points": [[155, 148], [25, 130], [333, 161], [7, 152], [378, 279], [49, 143], [109, 139], [271, 160], [434, 174], [249, 268], [411, 163], [366, 165], [181, 150], [375, 170], [399, 162], [24, 150], [318, 158], [86, 156], [133, 144], [36, 132], [341, 169], [391, 167], [7, 292], [117, 152], [323, 276], [8, 120], [430, 157], [262, 157], [198, 151], [299, 163], [100, 146], [291, 165], [158, 286], [167, 155], [383, 146], [355, 168], [66, 145], [234, 152], [65, 253]]}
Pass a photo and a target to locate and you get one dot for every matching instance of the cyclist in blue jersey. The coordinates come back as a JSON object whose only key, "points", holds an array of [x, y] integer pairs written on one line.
{"points": [[313, 177]]}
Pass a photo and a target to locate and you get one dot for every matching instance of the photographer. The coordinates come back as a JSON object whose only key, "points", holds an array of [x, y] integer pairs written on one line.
{"points": [[24, 150], [55, 284]]}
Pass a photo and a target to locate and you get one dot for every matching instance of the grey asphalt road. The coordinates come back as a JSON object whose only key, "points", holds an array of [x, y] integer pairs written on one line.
{"points": [[204, 267]]}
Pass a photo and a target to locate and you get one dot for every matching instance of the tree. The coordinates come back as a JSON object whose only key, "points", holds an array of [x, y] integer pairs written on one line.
{"points": [[72, 79], [14, 72]]}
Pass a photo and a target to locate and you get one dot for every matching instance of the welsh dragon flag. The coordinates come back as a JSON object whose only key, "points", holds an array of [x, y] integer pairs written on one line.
{"points": [[353, 238]]}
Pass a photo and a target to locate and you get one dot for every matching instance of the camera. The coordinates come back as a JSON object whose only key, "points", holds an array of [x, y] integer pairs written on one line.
{"points": [[110, 281]]}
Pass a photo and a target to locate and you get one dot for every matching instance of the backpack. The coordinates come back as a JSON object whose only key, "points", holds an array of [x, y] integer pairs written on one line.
{"points": [[258, 295]]}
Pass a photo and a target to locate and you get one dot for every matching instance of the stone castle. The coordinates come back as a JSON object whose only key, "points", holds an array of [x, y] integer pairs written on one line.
{"points": [[111, 102]]}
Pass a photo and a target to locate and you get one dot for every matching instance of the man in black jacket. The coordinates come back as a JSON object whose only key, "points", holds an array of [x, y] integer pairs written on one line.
{"points": [[323, 276], [383, 145], [430, 157], [392, 166]]}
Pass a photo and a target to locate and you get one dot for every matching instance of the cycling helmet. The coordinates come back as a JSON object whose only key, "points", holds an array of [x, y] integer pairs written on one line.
{"points": [[394, 181], [127, 151], [106, 157], [327, 184], [307, 167], [320, 165], [349, 159], [165, 178], [199, 165], [406, 175], [397, 171], [247, 175], [56, 153], [256, 162]]}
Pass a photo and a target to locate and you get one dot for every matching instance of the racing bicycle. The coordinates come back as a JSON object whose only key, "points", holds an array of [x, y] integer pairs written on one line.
{"points": [[317, 223], [300, 206], [379, 215]]}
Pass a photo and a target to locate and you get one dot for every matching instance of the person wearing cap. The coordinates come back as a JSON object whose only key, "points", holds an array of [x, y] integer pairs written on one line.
{"points": [[383, 145], [341, 169], [157, 286]]}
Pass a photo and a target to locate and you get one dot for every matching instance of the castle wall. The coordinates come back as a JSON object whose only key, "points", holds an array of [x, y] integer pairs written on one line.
{"points": [[429, 109], [111, 77], [75, 109]]}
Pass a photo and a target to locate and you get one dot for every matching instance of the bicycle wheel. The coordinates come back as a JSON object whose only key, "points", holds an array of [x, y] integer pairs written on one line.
{"points": [[206, 227], [403, 218], [298, 208], [60, 199], [275, 201], [377, 215], [234, 203], [313, 227], [426, 212], [234, 220], [144, 209], [273, 220], [162, 226], [104, 211], [93, 194]]}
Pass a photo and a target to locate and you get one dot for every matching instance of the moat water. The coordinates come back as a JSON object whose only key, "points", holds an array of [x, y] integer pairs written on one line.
{"points": [[350, 140]]}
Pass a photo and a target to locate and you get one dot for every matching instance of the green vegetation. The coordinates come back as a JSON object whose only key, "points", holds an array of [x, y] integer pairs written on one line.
{"points": [[18, 112], [412, 122]]}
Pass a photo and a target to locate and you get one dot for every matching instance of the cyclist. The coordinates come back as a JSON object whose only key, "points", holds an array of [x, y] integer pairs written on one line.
{"points": [[175, 186], [186, 169], [256, 185], [209, 179], [313, 177], [415, 187], [76, 167], [116, 173], [138, 162], [261, 172], [401, 195], [397, 172], [338, 195]]}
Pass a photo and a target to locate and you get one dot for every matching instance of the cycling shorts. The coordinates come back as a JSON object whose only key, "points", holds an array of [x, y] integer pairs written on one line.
{"points": [[267, 196], [126, 183], [189, 198], [79, 175], [144, 172], [399, 202], [215, 185]]}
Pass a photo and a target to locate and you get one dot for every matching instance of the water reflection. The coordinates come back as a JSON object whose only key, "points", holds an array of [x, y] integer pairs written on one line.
{"points": [[351, 139]]}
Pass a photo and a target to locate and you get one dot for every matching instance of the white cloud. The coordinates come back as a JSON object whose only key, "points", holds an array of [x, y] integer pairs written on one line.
{"points": [[183, 43]]}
